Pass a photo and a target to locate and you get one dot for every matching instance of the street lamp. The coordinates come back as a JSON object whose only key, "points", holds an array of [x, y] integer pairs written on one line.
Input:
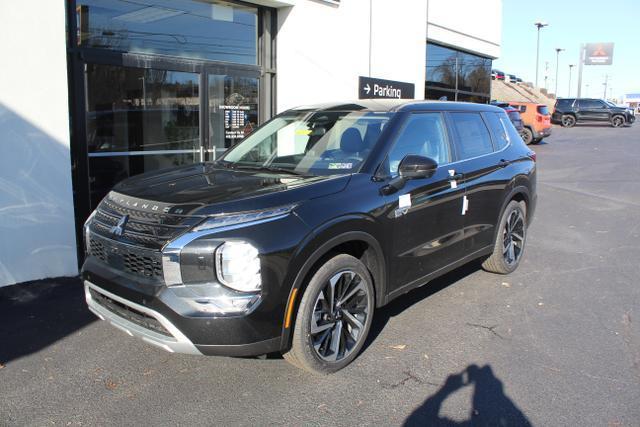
{"points": [[558, 50], [570, 67], [538, 25]]}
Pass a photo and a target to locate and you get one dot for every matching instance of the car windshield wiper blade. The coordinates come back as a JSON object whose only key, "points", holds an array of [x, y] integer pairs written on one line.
{"points": [[270, 169]]}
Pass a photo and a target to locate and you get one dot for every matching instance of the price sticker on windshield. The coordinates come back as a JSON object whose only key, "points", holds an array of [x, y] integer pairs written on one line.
{"points": [[340, 165]]}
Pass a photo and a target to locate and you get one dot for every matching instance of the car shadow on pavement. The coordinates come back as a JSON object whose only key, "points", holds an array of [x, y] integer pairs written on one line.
{"points": [[490, 405], [403, 302], [35, 315]]}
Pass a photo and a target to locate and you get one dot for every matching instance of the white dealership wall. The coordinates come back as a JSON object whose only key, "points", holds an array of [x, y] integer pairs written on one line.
{"points": [[322, 48], [37, 235], [471, 25]]}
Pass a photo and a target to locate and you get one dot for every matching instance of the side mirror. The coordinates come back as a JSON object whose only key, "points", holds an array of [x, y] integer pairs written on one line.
{"points": [[413, 167]]}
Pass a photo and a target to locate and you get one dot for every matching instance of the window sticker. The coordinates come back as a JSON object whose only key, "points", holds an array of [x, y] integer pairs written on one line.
{"points": [[340, 165]]}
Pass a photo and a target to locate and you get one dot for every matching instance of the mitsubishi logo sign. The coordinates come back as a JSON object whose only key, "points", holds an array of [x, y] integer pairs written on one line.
{"points": [[118, 229]]}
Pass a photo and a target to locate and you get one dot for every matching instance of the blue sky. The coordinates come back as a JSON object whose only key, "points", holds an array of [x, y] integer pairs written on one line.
{"points": [[571, 23]]}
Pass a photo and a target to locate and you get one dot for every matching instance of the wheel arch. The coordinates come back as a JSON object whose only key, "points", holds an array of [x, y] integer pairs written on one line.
{"points": [[519, 193], [360, 244]]}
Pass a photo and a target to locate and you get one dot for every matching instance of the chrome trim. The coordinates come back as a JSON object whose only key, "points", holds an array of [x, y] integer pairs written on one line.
{"points": [[171, 251], [178, 343]]}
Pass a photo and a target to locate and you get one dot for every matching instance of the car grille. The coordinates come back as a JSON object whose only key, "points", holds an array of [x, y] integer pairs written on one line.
{"points": [[139, 261], [147, 229], [129, 313]]}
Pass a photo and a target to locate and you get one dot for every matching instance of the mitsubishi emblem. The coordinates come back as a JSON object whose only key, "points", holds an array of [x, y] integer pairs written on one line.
{"points": [[118, 229]]}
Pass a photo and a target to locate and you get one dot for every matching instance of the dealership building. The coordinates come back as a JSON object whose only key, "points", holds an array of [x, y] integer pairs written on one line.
{"points": [[95, 91]]}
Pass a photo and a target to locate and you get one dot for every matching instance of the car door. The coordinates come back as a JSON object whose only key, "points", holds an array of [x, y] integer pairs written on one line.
{"points": [[592, 110], [427, 223], [485, 166]]}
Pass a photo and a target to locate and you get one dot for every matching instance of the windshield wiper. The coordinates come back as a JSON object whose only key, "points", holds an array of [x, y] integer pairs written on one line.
{"points": [[270, 169]]}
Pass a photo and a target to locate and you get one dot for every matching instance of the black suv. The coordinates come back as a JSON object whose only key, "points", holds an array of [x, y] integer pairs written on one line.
{"points": [[294, 237], [569, 111]]}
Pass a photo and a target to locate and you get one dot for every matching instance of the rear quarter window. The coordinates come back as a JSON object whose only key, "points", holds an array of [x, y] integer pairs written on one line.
{"points": [[473, 138], [498, 130], [564, 103]]}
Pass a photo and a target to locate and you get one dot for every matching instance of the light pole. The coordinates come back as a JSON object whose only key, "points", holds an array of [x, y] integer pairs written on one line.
{"points": [[570, 67], [538, 25], [558, 50]]}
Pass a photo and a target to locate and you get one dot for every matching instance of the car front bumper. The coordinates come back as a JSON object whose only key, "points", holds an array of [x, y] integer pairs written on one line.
{"points": [[155, 314]]}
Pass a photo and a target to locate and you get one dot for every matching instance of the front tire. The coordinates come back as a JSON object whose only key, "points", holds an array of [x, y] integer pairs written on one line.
{"points": [[617, 121], [510, 240], [334, 316]]}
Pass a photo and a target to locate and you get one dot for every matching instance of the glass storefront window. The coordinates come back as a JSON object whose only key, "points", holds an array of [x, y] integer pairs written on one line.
{"points": [[214, 30], [458, 75], [233, 110], [139, 120]]}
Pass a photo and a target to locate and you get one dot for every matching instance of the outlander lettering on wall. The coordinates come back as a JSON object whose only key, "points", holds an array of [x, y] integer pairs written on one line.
{"points": [[292, 239]]}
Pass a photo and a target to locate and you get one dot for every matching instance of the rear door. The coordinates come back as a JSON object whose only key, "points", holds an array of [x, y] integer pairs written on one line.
{"points": [[483, 162], [592, 110], [427, 223]]}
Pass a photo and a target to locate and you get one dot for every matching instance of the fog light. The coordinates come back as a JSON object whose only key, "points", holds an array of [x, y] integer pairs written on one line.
{"points": [[238, 266]]}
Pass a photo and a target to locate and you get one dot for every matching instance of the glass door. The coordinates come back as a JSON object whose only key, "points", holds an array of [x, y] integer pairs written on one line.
{"points": [[233, 109], [138, 120]]}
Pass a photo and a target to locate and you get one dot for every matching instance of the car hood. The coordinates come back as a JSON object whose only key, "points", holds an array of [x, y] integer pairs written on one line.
{"points": [[206, 188]]}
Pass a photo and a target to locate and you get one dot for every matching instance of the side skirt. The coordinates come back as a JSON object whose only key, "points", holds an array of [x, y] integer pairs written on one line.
{"points": [[441, 271]]}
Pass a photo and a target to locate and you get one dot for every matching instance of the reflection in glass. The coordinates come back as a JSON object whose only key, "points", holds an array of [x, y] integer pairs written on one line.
{"points": [[214, 30], [138, 120], [466, 76], [233, 110]]}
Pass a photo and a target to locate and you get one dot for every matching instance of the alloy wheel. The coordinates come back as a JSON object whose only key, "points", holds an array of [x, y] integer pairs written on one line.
{"points": [[339, 316], [617, 122], [568, 121], [513, 237]]}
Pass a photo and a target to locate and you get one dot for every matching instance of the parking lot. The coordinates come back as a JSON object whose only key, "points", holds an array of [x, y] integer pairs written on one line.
{"points": [[555, 343]]}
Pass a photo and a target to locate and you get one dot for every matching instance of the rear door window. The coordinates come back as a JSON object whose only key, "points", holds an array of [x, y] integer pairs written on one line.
{"points": [[591, 104], [473, 138], [500, 135]]}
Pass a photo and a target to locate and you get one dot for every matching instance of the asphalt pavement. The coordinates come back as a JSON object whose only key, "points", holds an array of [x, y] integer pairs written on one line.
{"points": [[555, 343]]}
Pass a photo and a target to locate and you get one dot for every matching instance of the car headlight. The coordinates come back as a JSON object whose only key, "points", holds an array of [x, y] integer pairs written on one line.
{"points": [[87, 232], [232, 220], [238, 266]]}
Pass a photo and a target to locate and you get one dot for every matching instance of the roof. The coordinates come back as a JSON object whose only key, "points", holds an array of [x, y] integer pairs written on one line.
{"points": [[398, 105]]}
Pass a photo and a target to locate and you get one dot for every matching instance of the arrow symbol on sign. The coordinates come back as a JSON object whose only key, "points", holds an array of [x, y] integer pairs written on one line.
{"points": [[367, 88]]}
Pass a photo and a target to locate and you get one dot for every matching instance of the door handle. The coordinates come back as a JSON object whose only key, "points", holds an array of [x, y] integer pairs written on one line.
{"points": [[503, 163], [456, 177]]}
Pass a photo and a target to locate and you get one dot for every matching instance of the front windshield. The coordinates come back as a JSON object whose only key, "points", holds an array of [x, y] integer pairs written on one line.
{"points": [[310, 143]]}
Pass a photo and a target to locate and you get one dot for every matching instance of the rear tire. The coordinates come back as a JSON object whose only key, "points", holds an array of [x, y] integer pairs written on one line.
{"points": [[527, 136], [510, 241], [334, 316], [568, 121]]}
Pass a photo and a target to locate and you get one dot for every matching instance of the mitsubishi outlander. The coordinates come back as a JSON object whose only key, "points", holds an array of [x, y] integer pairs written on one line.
{"points": [[291, 240]]}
